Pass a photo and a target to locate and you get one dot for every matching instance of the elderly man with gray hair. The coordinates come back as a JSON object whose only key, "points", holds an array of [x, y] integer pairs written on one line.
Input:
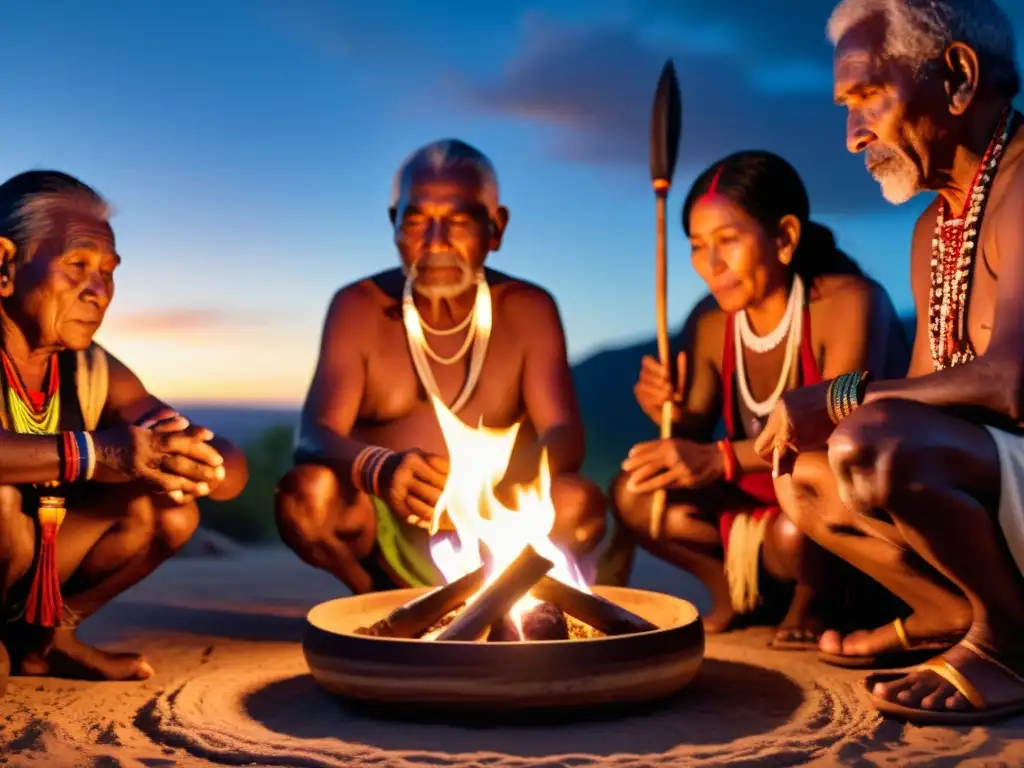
{"points": [[930, 468], [371, 460]]}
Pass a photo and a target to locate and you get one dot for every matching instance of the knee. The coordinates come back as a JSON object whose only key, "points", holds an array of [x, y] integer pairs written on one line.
{"points": [[303, 501], [808, 495], [631, 509], [872, 460], [787, 536], [578, 499], [17, 538], [174, 526]]}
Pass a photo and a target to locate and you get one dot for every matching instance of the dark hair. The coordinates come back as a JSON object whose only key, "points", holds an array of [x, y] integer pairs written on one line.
{"points": [[768, 188], [29, 201]]}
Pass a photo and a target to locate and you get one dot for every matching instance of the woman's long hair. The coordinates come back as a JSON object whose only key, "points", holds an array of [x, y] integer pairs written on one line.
{"points": [[769, 188]]}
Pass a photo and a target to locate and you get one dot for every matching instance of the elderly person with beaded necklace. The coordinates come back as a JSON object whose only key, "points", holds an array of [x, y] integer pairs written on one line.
{"points": [[931, 468], [98, 478], [370, 457]]}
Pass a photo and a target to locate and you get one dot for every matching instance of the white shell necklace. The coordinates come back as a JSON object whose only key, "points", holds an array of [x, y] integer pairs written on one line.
{"points": [[794, 328], [773, 338], [478, 336]]}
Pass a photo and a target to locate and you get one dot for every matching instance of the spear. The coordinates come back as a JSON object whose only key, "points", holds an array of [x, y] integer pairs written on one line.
{"points": [[666, 123]]}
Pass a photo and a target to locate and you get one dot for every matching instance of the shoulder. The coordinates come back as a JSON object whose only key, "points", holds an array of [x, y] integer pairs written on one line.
{"points": [[706, 317], [364, 298], [519, 299], [848, 297], [924, 231]]}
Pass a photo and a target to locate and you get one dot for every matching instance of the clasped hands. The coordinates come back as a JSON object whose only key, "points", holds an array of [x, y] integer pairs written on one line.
{"points": [[164, 450]]}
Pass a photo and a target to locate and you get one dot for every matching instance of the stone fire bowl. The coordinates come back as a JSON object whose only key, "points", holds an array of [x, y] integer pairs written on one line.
{"points": [[509, 676]]}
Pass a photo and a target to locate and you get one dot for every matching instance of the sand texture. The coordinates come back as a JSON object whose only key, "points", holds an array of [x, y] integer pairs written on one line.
{"points": [[232, 688]]}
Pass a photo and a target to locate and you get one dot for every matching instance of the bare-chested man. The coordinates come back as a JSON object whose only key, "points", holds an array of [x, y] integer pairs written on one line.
{"points": [[371, 459], [78, 426], [931, 468]]}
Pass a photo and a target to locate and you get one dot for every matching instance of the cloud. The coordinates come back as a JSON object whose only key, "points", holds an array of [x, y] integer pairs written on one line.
{"points": [[176, 321], [593, 87]]}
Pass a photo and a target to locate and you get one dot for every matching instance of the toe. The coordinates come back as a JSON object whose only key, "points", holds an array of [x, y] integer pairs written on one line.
{"points": [[144, 671], [936, 695], [831, 641]]}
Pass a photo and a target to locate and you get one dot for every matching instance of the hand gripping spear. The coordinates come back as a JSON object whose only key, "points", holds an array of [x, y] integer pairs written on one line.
{"points": [[666, 123]]}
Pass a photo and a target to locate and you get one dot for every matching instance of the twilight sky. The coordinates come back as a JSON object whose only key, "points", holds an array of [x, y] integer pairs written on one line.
{"points": [[248, 148]]}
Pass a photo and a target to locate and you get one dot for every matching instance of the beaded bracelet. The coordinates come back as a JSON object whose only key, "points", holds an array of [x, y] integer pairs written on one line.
{"points": [[367, 466], [845, 393], [77, 454], [728, 460]]}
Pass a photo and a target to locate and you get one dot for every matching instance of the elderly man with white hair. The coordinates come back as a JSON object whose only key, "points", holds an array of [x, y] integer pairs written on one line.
{"points": [[930, 495], [371, 460]]}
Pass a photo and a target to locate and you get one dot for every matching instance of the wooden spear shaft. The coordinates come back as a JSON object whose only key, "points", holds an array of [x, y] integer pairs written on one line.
{"points": [[661, 318], [666, 124]]}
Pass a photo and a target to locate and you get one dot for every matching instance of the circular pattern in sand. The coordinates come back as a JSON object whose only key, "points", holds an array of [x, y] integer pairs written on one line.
{"points": [[748, 704]]}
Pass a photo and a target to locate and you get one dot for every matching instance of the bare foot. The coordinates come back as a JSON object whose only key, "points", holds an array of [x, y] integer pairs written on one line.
{"points": [[993, 680], [67, 656], [886, 639]]}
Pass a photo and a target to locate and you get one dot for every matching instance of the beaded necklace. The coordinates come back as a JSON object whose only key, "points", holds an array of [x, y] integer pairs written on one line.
{"points": [[32, 415], [478, 336], [953, 248]]}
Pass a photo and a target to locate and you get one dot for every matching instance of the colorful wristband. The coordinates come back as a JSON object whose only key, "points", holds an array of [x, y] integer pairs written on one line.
{"points": [[367, 466], [729, 462], [77, 456], [845, 394]]}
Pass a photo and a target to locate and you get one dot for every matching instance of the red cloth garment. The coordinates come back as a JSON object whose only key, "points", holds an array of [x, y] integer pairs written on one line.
{"points": [[759, 484]]}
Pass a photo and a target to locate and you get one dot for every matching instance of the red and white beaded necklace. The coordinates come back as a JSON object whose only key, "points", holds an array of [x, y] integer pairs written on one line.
{"points": [[953, 248]]}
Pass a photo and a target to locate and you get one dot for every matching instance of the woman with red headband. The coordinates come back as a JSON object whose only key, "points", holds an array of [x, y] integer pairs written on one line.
{"points": [[786, 308]]}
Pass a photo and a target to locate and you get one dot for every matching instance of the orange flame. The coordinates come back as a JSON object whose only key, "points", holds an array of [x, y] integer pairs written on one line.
{"points": [[478, 459]]}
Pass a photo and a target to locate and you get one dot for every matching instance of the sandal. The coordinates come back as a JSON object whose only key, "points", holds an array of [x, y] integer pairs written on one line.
{"points": [[795, 639], [980, 711], [907, 655]]}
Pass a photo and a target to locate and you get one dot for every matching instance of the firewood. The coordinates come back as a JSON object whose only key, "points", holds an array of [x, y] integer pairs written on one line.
{"points": [[603, 615], [415, 617], [498, 597]]}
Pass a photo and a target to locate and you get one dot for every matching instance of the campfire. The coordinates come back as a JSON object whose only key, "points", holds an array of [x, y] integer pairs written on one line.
{"points": [[507, 581]]}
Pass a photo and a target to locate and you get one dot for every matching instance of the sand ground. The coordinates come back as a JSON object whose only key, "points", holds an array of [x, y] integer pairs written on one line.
{"points": [[232, 688]]}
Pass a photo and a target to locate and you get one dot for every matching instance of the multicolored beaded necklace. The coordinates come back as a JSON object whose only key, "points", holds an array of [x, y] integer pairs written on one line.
{"points": [[953, 248], [32, 413]]}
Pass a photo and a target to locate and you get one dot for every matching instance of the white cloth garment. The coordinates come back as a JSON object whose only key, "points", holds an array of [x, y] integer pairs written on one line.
{"points": [[1011, 490]]}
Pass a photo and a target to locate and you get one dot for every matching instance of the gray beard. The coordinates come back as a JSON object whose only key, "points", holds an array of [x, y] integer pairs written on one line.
{"points": [[444, 290]]}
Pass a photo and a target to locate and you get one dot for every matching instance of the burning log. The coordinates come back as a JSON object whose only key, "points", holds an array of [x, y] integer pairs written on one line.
{"points": [[498, 597], [544, 621], [415, 617], [603, 615]]}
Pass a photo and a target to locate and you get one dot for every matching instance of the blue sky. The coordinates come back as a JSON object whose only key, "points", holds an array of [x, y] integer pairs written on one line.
{"points": [[248, 148]]}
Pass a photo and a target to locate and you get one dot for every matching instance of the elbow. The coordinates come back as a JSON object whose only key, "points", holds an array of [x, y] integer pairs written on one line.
{"points": [[1006, 378]]}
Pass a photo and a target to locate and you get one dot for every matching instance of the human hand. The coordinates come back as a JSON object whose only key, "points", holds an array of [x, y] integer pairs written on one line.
{"points": [[799, 421], [654, 387], [180, 463], [672, 463], [411, 484]]}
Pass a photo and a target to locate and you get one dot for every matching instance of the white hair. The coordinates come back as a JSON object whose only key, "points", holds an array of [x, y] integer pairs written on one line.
{"points": [[30, 203], [918, 31], [444, 155]]}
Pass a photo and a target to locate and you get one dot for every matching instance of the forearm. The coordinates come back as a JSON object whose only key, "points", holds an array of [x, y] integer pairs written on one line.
{"points": [[236, 470], [980, 384], [747, 459], [26, 459], [317, 444], [565, 449]]}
